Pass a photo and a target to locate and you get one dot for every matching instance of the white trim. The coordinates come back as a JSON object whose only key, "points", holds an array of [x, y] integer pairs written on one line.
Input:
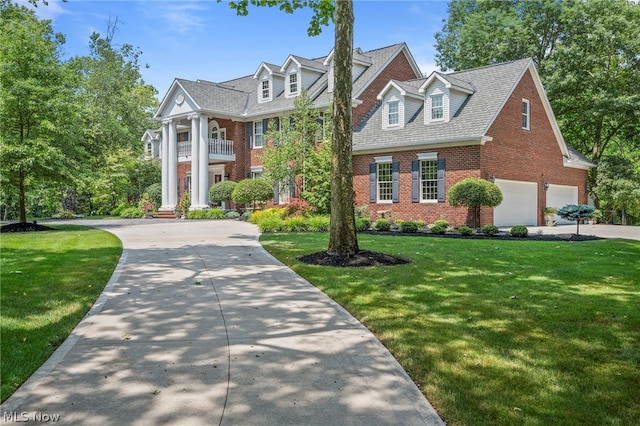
{"points": [[528, 115], [427, 156], [257, 169], [385, 159]]}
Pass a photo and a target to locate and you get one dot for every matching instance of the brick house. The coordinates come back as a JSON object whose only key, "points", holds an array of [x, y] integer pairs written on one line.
{"points": [[413, 138]]}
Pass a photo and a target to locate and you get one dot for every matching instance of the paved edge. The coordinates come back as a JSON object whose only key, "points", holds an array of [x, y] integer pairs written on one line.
{"points": [[26, 389]]}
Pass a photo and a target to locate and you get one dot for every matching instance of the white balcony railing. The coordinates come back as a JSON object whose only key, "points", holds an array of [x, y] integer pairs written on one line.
{"points": [[218, 148]]}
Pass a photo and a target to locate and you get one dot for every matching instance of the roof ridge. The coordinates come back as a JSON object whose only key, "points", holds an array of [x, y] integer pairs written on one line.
{"points": [[485, 67]]}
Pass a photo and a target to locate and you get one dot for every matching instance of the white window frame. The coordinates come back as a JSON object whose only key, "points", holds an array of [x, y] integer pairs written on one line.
{"points": [[256, 172], [293, 84], [386, 161], [214, 129], [266, 89], [258, 138], [393, 114], [526, 114], [435, 108], [431, 157]]}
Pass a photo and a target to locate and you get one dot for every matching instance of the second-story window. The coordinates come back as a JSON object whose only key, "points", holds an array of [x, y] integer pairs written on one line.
{"points": [[526, 114], [293, 83], [393, 113], [437, 107], [265, 89], [258, 134]]}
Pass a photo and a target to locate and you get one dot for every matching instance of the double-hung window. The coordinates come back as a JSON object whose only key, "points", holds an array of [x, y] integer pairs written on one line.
{"points": [[393, 113], [526, 114], [429, 180], [258, 134], [293, 83], [265, 89], [437, 107], [385, 182]]}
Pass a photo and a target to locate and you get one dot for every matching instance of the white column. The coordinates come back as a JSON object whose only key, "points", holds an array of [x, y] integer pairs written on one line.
{"points": [[203, 176], [195, 161], [165, 167], [172, 165]]}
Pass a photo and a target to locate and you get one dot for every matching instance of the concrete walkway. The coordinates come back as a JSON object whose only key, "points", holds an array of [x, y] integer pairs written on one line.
{"points": [[200, 326]]}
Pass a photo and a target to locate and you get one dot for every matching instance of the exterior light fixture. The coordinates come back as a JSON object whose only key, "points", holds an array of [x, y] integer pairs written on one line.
{"points": [[546, 185], [492, 178]]}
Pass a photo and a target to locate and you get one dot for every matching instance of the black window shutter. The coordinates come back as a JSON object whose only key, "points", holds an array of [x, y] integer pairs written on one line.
{"points": [[276, 123], [248, 175], [395, 182], [372, 183], [276, 192], [441, 187], [415, 181], [249, 133]]}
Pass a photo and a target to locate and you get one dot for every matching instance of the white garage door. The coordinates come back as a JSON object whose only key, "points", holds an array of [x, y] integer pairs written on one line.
{"points": [[519, 205], [559, 196]]}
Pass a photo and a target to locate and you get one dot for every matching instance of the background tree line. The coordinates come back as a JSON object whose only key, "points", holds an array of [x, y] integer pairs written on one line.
{"points": [[69, 130]]}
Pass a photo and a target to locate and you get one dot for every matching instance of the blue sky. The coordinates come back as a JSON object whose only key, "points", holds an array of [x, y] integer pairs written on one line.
{"points": [[207, 40]]}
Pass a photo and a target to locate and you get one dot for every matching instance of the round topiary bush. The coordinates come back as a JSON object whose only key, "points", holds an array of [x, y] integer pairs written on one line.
{"points": [[519, 231], [438, 229], [474, 193], [252, 191], [362, 224], [409, 227], [441, 222], [489, 230], [382, 225], [465, 230], [221, 191]]}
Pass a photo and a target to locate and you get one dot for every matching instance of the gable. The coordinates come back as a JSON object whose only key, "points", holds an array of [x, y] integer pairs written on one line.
{"points": [[177, 101]]}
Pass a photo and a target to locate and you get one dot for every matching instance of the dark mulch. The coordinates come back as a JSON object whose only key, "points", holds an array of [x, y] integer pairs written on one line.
{"points": [[362, 258], [500, 236], [24, 227]]}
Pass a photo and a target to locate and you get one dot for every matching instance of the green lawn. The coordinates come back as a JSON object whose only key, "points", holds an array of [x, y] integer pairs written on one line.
{"points": [[49, 281], [499, 332]]}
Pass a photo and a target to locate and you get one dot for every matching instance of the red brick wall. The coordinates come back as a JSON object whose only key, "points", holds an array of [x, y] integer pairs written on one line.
{"points": [[398, 69], [527, 155], [461, 162]]}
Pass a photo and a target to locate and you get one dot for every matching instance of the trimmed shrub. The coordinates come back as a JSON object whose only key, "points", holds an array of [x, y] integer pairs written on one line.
{"points": [[295, 224], [421, 224], [441, 222], [382, 225], [474, 193], [271, 224], [232, 214], [318, 223], [438, 229], [489, 230], [131, 212], [221, 191], [577, 212], [260, 215], [252, 191], [362, 224], [409, 227], [519, 231], [215, 214], [197, 214], [466, 231]]}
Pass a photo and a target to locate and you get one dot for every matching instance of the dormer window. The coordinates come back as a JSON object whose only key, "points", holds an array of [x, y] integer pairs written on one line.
{"points": [[266, 93], [437, 107], [393, 113], [293, 84]]}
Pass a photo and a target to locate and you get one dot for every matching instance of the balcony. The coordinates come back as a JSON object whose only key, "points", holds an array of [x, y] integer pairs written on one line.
{"points": [[221, 150]]}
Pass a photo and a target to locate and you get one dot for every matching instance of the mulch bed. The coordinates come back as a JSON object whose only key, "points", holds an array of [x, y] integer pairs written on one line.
{"points": [[362, 258], [24, 227], [372, 258]]}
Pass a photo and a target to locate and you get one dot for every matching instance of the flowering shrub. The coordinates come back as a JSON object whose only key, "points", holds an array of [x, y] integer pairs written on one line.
{"points": [[298, 207]]}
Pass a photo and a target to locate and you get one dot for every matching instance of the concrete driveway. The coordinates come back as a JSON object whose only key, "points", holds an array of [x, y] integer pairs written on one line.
{"points": [[599, 230], [200, 326]]}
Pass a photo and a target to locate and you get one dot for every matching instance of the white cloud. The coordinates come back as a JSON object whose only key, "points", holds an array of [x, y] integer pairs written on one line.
{"points": [[183, 17]]}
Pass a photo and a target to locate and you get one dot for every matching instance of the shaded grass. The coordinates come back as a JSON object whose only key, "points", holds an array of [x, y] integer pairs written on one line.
{"points": [[499, 332], [50, 280]]}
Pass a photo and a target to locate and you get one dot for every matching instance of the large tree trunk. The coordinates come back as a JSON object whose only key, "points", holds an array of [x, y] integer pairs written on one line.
{"points": [[343, 240]]}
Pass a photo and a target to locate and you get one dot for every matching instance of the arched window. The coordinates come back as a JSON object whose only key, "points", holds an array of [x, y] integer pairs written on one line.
{"points": [[215, 132]]}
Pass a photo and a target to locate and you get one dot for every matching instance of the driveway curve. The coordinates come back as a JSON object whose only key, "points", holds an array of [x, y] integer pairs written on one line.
{"points": [[199, 325]]}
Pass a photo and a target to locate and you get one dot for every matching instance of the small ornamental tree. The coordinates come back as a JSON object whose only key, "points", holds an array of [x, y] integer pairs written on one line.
{"points": [[577, 212], [252, 191], [474, 193], [222, 191]]}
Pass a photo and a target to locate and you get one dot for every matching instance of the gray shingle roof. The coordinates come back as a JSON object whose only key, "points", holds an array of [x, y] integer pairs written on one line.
{"points": [[238, 97], [491, 84]]}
